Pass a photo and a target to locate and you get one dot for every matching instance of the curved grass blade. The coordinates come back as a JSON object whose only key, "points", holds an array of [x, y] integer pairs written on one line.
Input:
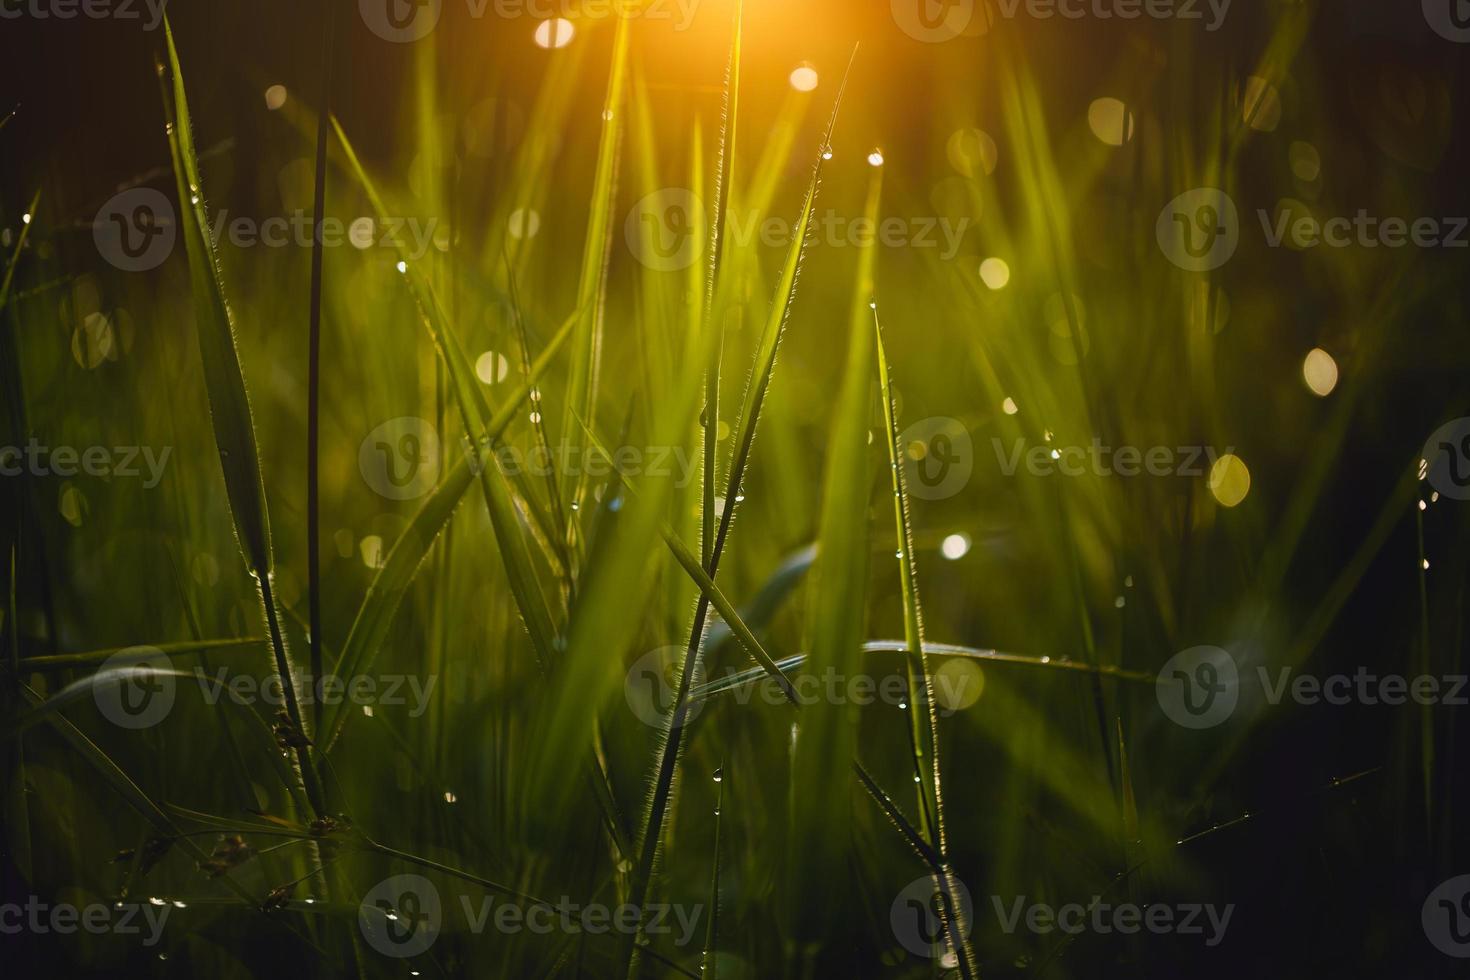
{"points": [[365, 637], [229, 404]]}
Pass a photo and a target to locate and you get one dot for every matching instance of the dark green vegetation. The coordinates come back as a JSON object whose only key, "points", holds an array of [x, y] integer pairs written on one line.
{"points": [[829, 674]]}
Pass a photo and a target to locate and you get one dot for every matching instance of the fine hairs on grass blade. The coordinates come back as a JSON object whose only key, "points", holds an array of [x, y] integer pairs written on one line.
{"points": [[834, 624], [949, 907], [234, 430], [923, 721], [760, 379]]}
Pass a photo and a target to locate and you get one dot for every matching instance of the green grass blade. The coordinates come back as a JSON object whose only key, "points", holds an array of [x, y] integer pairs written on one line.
{"points": [[475, 413], [234, 430], [834, 628], [20, 243], [374, 616]]}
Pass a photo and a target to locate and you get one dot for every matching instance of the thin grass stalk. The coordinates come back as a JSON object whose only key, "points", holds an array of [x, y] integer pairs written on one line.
{"points": [[234, 430]]}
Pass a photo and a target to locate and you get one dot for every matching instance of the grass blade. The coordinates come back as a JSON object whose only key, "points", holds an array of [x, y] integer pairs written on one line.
{"points": [[229, 405]]}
